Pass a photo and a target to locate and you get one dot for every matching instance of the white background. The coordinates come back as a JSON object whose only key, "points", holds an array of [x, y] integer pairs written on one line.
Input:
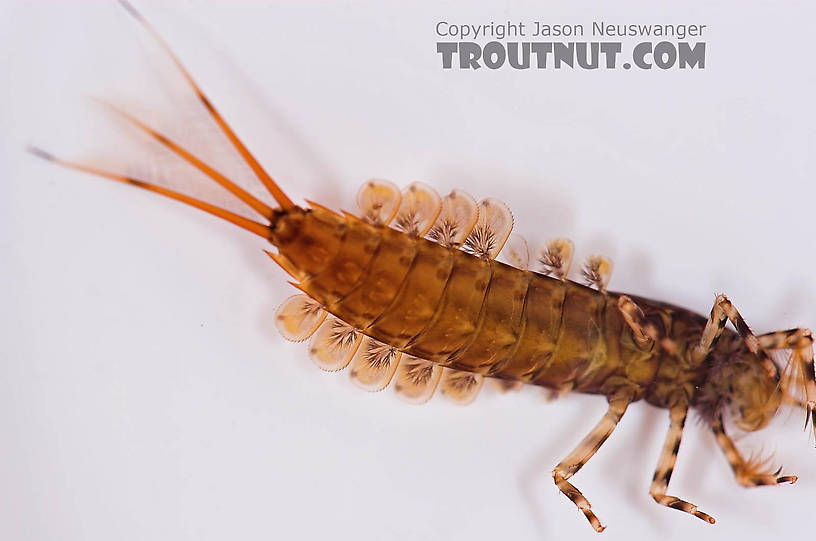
{"points": [[144, 393]]}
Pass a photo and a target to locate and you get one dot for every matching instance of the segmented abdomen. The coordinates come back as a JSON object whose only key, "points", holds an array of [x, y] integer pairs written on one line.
{"points": [[402, 296]]}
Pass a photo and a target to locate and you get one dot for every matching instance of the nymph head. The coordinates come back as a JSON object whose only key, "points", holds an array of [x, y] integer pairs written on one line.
{"points": [[746, 387], [754, 394]]}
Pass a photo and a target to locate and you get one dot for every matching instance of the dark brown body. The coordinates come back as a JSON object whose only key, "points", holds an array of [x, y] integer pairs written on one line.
{"points": [[483, 316]]}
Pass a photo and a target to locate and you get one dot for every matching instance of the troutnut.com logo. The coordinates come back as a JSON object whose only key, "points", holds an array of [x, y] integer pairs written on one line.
{"points": [[661, 46]]}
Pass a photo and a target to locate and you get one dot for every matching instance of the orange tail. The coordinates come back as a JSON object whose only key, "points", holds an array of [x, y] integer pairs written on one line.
{"points": [[256, 204], [244, 223], [271, 185]]}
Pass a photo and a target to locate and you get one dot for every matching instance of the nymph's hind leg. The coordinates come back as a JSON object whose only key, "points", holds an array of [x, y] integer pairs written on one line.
{"points": [[722, 312], [584, 451], [800, 342], [665, 466], [643, 334], [747, 472]]}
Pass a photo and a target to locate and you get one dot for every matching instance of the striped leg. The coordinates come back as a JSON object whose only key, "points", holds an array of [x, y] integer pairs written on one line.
{"points": [[644, 335], [801, 374], [722, 312], [583, 452], [665, 466], [790, 339], [749, 473]]}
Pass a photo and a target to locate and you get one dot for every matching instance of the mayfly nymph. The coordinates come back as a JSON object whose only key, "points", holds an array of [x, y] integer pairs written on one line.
{"points": [[410, 293]]}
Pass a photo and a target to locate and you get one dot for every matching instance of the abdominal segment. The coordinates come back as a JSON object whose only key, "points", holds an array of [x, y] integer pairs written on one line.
{"points": [[437, 312]]}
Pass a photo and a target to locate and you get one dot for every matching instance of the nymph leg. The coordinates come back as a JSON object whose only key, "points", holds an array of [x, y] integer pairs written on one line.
{"points": [[665, 466], [722, 312], [801, 372], [644, 335], [748, 473], [584, 451]]}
